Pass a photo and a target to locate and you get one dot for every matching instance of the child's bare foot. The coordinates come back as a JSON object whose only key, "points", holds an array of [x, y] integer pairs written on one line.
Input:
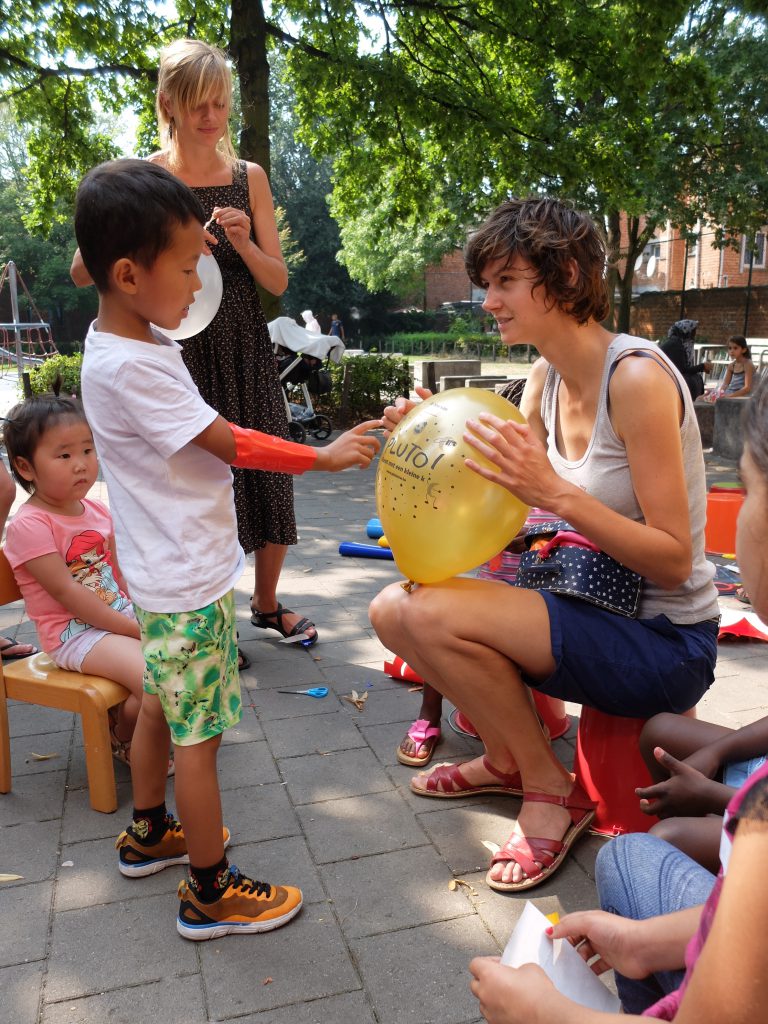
{"points": [[418, 744]]}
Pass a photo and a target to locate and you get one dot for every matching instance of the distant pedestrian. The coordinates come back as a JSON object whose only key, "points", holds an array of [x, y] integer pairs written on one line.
{"points": [[311, 322], [336, 330], [678, 348]]}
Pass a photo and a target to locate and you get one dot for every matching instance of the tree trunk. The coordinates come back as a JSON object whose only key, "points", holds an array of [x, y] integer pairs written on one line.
{"points": [[248, 48], [613, 248], [625, 302]]}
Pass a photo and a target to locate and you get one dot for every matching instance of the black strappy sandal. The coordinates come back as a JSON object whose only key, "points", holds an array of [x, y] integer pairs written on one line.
{"points": [[274, 620]]}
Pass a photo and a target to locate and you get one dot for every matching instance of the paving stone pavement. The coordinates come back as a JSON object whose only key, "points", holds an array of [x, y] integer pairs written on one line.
{"points": [[314, 796]]}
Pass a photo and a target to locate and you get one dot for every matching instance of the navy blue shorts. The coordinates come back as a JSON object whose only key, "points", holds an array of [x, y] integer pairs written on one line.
{"points": [[633, 668]]}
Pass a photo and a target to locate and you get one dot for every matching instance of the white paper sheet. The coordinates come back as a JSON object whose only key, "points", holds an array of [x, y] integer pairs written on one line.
{"points": [[570, 975]]}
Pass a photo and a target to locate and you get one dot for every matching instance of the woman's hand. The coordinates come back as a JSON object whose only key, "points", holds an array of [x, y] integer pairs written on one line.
{"points": [[236, 225], [520, 459], [514, 995], [394, 413]]}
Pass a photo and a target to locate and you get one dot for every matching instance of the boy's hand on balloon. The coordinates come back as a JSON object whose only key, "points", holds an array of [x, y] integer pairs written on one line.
{"points": [[394, 413], [519, 456], [354, 448]]}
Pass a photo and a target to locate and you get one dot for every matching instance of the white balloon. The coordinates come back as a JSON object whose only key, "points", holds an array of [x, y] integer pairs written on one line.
{"points": [[206, 303]]}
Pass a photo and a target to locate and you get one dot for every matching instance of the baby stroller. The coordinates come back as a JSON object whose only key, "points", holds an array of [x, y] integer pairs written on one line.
{"points": [[300, 354]]}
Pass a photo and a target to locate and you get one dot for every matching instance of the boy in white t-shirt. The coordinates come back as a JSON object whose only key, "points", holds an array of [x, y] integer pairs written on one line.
{"points": [[166, 456]]}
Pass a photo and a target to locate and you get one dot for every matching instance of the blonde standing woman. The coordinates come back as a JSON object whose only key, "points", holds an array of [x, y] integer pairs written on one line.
{"points": [[231, 361]]}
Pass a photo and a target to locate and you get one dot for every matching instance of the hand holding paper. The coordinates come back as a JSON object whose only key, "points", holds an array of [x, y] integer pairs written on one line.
{"points": [[529, 944]]}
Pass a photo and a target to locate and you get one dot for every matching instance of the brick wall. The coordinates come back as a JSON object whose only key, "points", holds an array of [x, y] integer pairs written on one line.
{"points": [[447, 282], [720, 312]]}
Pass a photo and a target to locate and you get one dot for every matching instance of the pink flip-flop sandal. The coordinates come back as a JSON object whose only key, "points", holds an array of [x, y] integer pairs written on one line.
{"points": [[426, 737]]}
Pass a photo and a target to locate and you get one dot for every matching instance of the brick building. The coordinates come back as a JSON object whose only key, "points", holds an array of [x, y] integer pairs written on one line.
{"points": [[448, 282], [715, 286]]}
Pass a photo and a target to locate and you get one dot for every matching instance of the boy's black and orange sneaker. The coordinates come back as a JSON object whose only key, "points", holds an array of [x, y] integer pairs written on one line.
{"points": [[137, 858], [245, 906]]}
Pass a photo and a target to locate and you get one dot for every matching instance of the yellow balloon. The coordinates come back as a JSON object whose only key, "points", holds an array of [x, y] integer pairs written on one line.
{"points": [[440, 517]]}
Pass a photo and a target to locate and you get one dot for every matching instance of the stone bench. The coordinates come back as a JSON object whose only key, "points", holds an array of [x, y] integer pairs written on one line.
{"points": [[705, 416], [727, 441], [428, 372]]}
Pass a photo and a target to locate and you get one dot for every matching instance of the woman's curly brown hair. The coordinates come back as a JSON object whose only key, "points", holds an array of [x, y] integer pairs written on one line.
{"points": [[553, 238]]}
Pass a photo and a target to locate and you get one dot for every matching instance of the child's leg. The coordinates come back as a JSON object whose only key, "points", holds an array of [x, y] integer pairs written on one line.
{"points": [[698, 838], [677, 734], [120, 658], [149, 754], [198, 801]]}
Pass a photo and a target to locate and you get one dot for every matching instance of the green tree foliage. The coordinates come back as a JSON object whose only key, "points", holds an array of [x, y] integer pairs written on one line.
{"points": [[43, 263], [433, 112]]}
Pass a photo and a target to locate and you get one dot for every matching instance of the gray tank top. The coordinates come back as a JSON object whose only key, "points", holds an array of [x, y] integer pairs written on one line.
{"points": [[603, 472]]}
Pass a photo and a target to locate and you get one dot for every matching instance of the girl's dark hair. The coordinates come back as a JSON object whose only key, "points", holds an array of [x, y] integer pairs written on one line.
{"points": [[552, 237], [26, 423], [741, 341], [755, 426]]}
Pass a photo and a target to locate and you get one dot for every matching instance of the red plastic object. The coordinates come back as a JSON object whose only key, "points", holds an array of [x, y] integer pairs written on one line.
{"points": [[609, 766], [464, 725], [733, 488], [722, 512], [550, 709], [398, 669]]}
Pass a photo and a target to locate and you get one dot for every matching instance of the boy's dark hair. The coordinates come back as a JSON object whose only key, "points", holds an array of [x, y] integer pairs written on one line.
{"points": [[548, 234], [129, 208], [741, 341], [26, 423], [755, 426]]}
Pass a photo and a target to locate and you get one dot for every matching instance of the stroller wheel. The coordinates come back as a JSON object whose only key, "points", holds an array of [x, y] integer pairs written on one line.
{"points": [[322, 427], [297, 432]]}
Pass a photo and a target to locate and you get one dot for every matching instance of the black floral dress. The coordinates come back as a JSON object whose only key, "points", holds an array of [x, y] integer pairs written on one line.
{"points": [[233, 365]]}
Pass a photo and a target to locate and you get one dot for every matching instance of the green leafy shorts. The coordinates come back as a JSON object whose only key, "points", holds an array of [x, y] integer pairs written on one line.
{"points": [[191, 664]]}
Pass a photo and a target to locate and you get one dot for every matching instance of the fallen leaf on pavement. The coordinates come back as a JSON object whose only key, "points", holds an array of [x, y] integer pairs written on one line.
{"points": [[357, 699], [10, 878], [454, 884], [41, 757]]}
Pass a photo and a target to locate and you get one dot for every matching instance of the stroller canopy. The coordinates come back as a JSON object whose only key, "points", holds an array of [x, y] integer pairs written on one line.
{"points": [[286, 333]]}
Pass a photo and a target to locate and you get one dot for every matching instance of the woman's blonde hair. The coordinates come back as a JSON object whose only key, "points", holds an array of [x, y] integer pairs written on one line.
{"points": [[190, 72]]}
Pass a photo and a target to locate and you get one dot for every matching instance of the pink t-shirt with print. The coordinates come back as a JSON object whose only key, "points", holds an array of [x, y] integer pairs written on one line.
{"points": [[83, 543]]}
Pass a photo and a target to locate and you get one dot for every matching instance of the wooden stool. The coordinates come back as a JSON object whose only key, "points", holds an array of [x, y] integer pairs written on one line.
{"points": [[609, 766], [37, 680]]}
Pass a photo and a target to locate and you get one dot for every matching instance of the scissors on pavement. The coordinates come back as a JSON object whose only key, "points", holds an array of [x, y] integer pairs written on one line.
{"points": [[313, 691]]}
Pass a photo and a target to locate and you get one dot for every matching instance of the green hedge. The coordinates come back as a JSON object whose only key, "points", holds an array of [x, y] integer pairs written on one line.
{"points": [[373, 381], [67, 367]]}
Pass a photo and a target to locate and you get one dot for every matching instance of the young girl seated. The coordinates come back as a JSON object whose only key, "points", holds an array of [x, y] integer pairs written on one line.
{"points": [[705, 957], [60, 546], [740, 371]]}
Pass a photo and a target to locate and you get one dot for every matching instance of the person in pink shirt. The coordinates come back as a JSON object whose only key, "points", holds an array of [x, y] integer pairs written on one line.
{"points": [[60, 545]]}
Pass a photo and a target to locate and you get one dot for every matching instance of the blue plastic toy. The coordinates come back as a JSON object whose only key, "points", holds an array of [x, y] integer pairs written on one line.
{"points": [[364, 551], [374, 529]]}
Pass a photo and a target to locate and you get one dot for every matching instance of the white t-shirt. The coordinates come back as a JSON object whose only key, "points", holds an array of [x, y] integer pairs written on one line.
{"points": [[171, 501]]}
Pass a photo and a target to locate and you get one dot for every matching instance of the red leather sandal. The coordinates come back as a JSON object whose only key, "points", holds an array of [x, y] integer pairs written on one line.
{"points": [[530, 852]]}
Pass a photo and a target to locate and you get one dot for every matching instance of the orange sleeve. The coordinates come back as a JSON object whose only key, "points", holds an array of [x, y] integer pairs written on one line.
{"points": [[254, 450]]}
